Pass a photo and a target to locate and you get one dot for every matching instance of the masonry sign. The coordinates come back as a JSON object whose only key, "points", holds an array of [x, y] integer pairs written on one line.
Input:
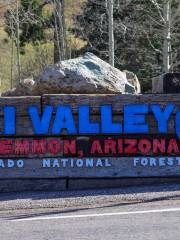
{"points": [[67, 140], [133, 120]]}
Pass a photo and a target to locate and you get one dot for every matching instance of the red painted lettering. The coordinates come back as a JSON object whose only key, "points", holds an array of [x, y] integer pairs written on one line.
{"points": [[21, 147], [96, 147], [173, 146], [131, 146], [144, 146], [110, 146], [6, 147], [38, 146], [159, 146], [54, 146], [70, 147], [120, 146]]}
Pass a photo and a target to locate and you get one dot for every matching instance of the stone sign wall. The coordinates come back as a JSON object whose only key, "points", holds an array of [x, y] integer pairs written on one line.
{"points": [[93, 137]]}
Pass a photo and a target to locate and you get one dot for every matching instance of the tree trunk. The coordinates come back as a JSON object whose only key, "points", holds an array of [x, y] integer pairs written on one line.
{"points": [[17, 40], [59, 33], [12, 51], [167, 37], [111, 31]]}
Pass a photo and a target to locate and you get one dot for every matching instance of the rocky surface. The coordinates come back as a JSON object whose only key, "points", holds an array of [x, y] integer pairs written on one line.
{"points": [[133, 80], [26, 87], [87, 74]]}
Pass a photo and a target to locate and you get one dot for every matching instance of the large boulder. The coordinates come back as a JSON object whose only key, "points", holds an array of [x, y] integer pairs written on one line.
{"points": [[86, 74]]}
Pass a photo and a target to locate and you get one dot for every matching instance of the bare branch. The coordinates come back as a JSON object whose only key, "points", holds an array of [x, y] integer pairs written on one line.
{"points": [[176, 14], [156, 4], [151, 44]]}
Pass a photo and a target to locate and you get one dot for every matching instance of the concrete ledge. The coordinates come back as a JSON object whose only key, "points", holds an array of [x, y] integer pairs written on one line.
{"points": [[19, 185], [57, 184], [82, 184]]}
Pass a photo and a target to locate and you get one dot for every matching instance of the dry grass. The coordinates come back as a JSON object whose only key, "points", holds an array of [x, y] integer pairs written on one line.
{"points": [[5, 61], [35, 57]]}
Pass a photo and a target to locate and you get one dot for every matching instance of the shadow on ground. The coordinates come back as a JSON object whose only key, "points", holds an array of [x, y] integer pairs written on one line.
{"points": [[40, 195]]}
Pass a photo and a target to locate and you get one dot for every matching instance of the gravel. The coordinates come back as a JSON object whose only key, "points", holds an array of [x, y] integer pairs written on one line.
{"points": [[13, 204]]}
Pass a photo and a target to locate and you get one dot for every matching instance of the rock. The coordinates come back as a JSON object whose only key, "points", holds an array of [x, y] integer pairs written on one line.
{"points": [[86, 74], [157, 84], [133, 80], [166, 83], [26, 87]]}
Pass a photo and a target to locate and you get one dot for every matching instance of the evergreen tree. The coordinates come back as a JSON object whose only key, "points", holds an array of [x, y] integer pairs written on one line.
{"points": [[138, 32], [32, 22]]}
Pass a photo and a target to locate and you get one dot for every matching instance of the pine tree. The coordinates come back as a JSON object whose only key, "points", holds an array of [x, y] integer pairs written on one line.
{"points": [[32, 22], [138, 31]]}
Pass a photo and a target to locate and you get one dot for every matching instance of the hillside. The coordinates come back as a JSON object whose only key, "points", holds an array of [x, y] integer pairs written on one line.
{"points": [[39, 55], [4, 4]]}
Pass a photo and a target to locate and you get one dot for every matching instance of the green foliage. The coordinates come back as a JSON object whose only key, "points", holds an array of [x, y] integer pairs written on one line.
{"points": [[37, 46], [138, 35], [34, 60], [33, 22]]}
